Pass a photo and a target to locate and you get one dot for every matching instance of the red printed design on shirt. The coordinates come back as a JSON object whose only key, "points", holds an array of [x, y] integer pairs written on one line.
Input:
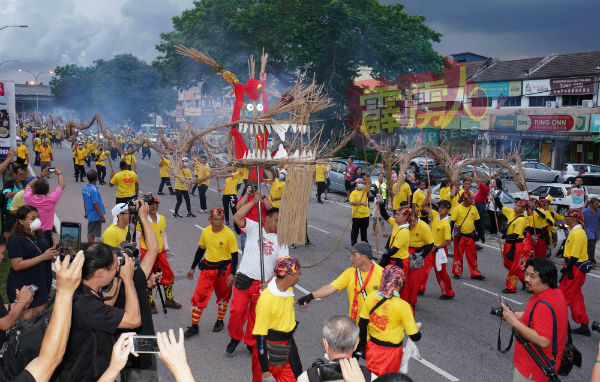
{"points": [[379, 321]]}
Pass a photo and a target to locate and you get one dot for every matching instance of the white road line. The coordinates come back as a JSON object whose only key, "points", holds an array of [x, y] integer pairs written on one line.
{"points": [[489, 246], [593, 275], [197, 226], [301, 289], [492, 293], [433, 367], [213, 190], [318, 229], [341, 204], [172, 211]]}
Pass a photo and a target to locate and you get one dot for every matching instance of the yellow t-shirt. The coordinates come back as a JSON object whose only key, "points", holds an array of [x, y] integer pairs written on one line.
{"points": [[467, 222], [125, 181], [539, 221], [80, 155], [158, 228], [219, 245], [399, 238], [555, 215], [114, 235], [445, 193], [390, 320], [276, 192], [420, 235], [348, 280], [517, 226], [22, 152], [401, 196], [45, 154], [36, 144], [418, 198], [90, 147], [184, 173], [320, 170], [360, 211], [274, 312], [242, 174], [100, 158], [440, 229], [231, 183], [165, 167], [130, 159], [201, 171], [576, 245]]}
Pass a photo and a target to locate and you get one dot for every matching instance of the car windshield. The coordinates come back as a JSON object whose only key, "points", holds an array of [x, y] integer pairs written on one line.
{"points": [[540, 190]]}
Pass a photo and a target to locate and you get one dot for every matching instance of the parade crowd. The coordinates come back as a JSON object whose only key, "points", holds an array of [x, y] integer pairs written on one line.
{"points": [[104, 293]]}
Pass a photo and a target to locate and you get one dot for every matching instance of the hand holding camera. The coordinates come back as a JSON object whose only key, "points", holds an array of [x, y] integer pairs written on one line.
{"points": [[127, 268], [24, 296]]}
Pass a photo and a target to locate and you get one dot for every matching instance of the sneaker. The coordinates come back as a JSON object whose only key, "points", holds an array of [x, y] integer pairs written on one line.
{"points": [[176, 215], [219, 325], [325, 197], [420, 293], [200, 211], [231, 346], [160, 193], [190, 215], [170, 303], [191, 331], [508, 291], [456, 277], [583, 330], [292, 246], [153, 309], [204, 211], [309, 244], [446, 297], [479, 277]]}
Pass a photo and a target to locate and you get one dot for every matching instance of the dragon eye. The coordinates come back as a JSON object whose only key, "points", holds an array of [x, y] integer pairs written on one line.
{"points": [[249, 107], [259, 107]]}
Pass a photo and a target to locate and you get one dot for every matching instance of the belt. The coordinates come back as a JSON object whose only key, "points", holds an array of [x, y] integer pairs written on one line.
{"points": [[385, 343], [276, 335], [512, 241], [210, 265]]}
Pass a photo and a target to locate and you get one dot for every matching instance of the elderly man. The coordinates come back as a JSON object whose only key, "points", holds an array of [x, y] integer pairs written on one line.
{"points": [[340, 339]]}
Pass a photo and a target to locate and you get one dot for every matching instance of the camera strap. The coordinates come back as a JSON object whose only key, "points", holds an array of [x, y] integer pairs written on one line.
{"points": [[510, 342]]}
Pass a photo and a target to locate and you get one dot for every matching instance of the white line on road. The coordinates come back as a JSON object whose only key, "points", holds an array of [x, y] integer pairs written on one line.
{"points": [[433, 367], [318, 229], [301, 289], [213, 190], [341, 204], [489, 246], [172, 211], [492, 293], [197, 226]]}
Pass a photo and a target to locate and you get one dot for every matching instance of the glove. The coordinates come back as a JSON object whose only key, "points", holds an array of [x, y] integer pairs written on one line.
{"points": [[306, 299]]}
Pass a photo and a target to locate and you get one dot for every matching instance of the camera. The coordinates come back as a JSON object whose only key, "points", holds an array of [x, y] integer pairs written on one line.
{"points": [[132, 205], [596, 326], [130, 250], [497, 311]]}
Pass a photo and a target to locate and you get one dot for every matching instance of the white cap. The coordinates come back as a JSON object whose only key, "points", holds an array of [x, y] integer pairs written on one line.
{"points": [[283, 171], [117, 209], [185, 159]]}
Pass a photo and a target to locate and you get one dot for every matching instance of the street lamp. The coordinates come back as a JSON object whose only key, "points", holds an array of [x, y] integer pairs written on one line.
{"points": [[14, 26], [35, 83]]}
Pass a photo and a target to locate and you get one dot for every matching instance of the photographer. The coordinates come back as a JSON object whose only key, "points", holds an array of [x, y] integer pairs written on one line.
{"points": [[95, 321], [535, 324]]}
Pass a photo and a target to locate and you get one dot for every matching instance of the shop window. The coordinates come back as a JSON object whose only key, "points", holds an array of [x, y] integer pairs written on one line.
{"points": [[575, 100], [510, 101], [541, 101], [481, 102]]}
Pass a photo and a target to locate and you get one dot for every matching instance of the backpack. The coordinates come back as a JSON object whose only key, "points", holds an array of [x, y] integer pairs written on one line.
{"points": [[314, 376], [24, 341]]}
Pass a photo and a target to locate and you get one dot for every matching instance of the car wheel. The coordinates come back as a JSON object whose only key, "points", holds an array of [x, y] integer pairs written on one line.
{"points": [[570, 180], [555, 179]]}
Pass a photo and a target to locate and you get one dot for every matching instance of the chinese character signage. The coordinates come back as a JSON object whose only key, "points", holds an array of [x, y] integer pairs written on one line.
{"points": [[572, 86], [8, 122]]}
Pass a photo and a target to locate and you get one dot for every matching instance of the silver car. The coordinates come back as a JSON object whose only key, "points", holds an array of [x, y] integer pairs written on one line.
{"points": [[573, 170], [540, 172]]}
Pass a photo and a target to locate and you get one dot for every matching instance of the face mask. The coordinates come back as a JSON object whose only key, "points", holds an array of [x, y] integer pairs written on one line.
{"points": [[36, 224], [281, 176], [18, 143], [360, 186]]}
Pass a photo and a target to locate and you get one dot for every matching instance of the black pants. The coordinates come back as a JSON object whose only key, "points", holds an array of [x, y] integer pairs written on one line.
{"points": [[229, 202], [113, 153], [361, 224], [320, 189], [101, 173], [202, 194], [165, 180], [180, 195], [493, 227], [79, 172]]}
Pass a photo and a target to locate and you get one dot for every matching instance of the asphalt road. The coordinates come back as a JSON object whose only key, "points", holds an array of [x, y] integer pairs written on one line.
{"points": [[459, 336]]}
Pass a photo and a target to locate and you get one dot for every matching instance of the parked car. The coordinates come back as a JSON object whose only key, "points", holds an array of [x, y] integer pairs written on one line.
{"points": [[589, 173], [558, 191], [420, 161], [463, 157], [338, 167], [540, 172]]}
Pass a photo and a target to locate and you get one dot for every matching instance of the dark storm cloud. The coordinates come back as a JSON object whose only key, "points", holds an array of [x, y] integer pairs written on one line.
{"points": [[510, 28]]}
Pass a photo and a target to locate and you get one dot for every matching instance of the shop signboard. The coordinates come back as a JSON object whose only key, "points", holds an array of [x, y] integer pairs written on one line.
{"points": [[495, 89], [577, 123], [445, 135], [466, 123], [536, 88], [572, 86], [8, 121], [504, 122], [595, 123]]}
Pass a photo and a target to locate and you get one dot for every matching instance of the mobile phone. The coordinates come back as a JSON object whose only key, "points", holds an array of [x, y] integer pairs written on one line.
{"points": [[34, 288], [144, 344], [70, 239], [51, 169]]}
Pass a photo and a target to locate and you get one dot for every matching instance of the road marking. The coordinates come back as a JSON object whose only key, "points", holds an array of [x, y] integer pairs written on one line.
{"points": [[318, 229], [433, 367], [197, 226], [213, 190], [341, 204], [593, 275], [301, 289], [487, 245], [172, 211], [492, 293]]}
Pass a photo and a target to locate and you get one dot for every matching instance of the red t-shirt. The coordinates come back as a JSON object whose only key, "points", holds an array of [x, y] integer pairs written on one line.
{"points": [[542, 323], [253, 213], [481, 194]]}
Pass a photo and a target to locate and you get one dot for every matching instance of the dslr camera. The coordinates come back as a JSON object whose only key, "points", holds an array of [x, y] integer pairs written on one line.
{"points": [[130, 250], [498, 311], [133, 204]]}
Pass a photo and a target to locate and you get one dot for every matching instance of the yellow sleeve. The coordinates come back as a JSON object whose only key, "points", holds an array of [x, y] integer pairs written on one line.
{"points": [[579, 247], [343, 280], [115, 178], [455, 213], [263, 316], [232, 242], [447, 232], [408, 320], [202, 241]]}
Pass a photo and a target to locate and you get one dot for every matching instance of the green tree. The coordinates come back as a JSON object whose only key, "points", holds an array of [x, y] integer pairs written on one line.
{"points": [[121, 89], [331, 39]]}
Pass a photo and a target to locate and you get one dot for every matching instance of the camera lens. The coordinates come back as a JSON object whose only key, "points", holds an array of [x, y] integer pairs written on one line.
{"points": [[497, 311]]}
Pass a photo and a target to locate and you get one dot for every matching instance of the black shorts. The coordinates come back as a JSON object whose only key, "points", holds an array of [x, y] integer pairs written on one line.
{"points": [[347, 185]]}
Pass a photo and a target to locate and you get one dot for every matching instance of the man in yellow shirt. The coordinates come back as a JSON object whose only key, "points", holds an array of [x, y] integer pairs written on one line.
{"points": [[359, 201], [37, 143], [229, 189], [126, 182], [574, 270], [217, 258], [384, 319], [165, 167], [277, 189], [116, 233], [130, 159], [45, 155], [320, 170], [182, 188], [101, 157], [465, 217], [79, 154], [417, 199], [202, 170], [22, 154], [403, 194], [275, 325], [360, 280]]}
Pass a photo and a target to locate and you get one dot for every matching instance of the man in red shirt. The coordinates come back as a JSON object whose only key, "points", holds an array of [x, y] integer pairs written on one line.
{"points": [[480, 200], [540, 279]]}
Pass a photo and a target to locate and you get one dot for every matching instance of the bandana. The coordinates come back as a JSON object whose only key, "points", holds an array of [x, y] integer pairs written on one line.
{"points": [[544, 201], [287, 265], [466, 195], [576, 214], [391, 277], [215, 212], [406, 211], [524, 204]]}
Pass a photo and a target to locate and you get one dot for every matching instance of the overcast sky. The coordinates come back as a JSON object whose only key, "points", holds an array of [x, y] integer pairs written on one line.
{"points": [[81, 31]]}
